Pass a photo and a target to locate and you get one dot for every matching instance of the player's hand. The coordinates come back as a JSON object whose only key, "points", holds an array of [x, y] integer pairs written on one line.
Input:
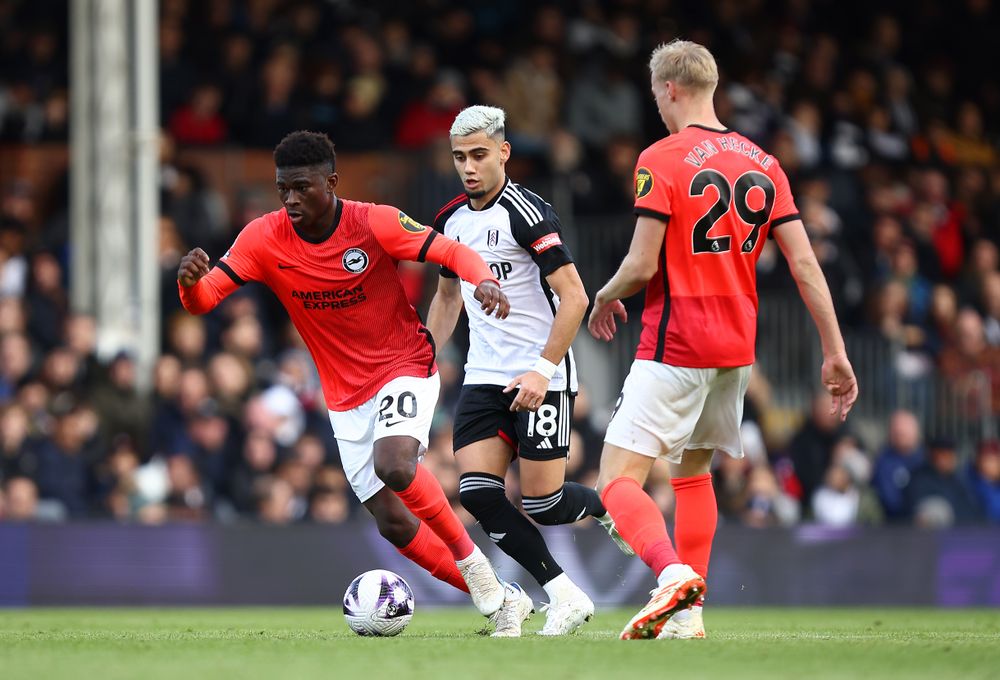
{"points": [[193, 266], [602, 318], [492, 298], [533, 386], [840, 382]]}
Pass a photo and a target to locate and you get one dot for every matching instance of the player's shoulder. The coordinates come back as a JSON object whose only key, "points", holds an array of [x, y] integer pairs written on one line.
{"points": [[662, 148], [447, 210], [268, 225], [525, 205]]}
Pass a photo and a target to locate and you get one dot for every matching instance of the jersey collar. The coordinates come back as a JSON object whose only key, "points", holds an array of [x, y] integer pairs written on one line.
{"points": [[710, 129], [493, 201], [329, 232]]}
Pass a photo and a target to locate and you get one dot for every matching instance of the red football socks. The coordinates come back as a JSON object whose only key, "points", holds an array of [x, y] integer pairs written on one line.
{"points": [[640, 523], [430, 552], [694, 520], [425, 498]]}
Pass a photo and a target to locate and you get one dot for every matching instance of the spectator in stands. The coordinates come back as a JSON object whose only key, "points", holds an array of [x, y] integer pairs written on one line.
{"points": [[939, 478], [811, 449], [200, 122], [984, 477], [894, 466], [62, 473], [122, 408], [20, 502]]}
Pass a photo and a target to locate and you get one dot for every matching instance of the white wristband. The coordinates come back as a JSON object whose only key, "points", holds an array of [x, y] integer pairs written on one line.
{"points": [[545, 367]]}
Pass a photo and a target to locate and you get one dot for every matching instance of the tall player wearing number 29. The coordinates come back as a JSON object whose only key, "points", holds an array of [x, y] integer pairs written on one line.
{"points": [[706, 198]]}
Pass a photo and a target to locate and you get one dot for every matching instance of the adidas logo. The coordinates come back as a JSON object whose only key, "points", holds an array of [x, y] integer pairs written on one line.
{"points": [[495, 537], [545, 444]]}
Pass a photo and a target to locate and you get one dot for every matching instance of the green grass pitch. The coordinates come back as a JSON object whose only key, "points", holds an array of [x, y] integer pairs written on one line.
{"points": [[183, 644]]}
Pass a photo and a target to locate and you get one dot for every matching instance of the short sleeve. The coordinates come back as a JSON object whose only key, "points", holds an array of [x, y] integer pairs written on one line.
{"points": [[652, 189], [241, 263], [784, 205], [543, 241]]}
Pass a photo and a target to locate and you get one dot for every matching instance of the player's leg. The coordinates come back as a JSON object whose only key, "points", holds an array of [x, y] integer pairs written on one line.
{"points": [[696, 515], [547, 497], [397, 525], [405, 407], [656, 414], [543, 446], [413, 538], [482, 466]]}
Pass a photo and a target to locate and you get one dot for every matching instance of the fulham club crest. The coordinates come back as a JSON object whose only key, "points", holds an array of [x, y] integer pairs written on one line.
{"points": [[355, 260], [492, 238]]}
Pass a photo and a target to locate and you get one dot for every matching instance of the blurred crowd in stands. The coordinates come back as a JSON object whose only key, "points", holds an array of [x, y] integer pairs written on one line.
{"points": [[884, 114]]}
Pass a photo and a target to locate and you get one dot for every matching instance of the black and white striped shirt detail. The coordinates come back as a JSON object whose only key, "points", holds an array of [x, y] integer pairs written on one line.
{"points": [[530, 213]]}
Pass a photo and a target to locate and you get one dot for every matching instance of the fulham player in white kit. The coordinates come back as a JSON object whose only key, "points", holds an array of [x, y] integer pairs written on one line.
{"points": [[520, 378]]}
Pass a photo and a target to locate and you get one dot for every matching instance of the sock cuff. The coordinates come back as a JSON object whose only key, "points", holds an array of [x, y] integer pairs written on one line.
{"points": [[618, 481], [680, 483], [419, 541], [419, 479], [471, 481], [538, 499], [537, 504]]}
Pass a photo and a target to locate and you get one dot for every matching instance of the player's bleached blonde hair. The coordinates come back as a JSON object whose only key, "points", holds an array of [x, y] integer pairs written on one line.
{"points": [[687, 63], [488, 119]]}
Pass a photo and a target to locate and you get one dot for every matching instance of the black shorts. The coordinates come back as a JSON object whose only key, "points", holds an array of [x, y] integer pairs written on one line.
{"points": [[484, 412]]}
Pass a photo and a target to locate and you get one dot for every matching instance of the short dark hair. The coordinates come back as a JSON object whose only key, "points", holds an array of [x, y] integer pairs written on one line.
{"points": [[304, 148]]}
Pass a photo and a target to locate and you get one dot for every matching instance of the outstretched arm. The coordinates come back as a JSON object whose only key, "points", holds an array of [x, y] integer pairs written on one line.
{"points": [[444, 310], [202, 289], [638, 267], [406, 239], [837, 372]]}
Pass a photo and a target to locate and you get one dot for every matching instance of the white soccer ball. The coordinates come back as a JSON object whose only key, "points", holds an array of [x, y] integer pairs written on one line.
{"points": [[378, 603]]}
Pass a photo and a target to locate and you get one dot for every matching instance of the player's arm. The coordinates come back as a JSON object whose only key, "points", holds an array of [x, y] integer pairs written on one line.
{"points": [[201, 288], [406, 239], [837, 372], [444, 310], [638, 267], [573, 302]]}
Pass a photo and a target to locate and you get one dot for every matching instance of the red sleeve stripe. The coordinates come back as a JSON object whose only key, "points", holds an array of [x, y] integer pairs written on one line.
{"points": [[449, 204]]}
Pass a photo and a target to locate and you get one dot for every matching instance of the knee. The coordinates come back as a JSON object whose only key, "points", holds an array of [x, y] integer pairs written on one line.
{"points": [[396, 468], [397, 528], [480, 494]]}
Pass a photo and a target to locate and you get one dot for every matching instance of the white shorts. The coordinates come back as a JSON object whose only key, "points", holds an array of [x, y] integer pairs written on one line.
{"points": [[666, 410], [403, 407]]}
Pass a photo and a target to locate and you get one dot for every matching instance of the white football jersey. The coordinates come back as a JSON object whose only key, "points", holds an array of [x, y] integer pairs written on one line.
{"points": [[518, 235]]}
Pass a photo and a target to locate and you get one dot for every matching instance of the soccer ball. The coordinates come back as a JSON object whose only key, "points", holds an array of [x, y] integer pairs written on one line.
{"points": [[378, 603]]}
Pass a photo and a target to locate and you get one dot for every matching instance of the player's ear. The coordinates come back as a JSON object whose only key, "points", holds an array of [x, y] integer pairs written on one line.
{"points": [[331, 181], [504, 151]]}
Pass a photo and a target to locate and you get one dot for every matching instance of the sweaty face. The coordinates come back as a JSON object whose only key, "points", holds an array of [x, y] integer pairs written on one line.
{"points": [[306, 193], [479, 160]]}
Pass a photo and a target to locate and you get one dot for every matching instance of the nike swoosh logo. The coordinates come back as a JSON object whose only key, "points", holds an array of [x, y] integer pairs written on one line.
{"points": [[394, 423], [287, 266]]}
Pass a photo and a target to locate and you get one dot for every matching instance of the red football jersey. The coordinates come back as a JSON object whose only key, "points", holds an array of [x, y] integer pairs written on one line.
{"points": [[720, 194], [343, 292]]}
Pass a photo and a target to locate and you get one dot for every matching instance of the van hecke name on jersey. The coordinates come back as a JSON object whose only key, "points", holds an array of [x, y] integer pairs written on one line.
{"points": [[704, 150], [330, 299]]}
